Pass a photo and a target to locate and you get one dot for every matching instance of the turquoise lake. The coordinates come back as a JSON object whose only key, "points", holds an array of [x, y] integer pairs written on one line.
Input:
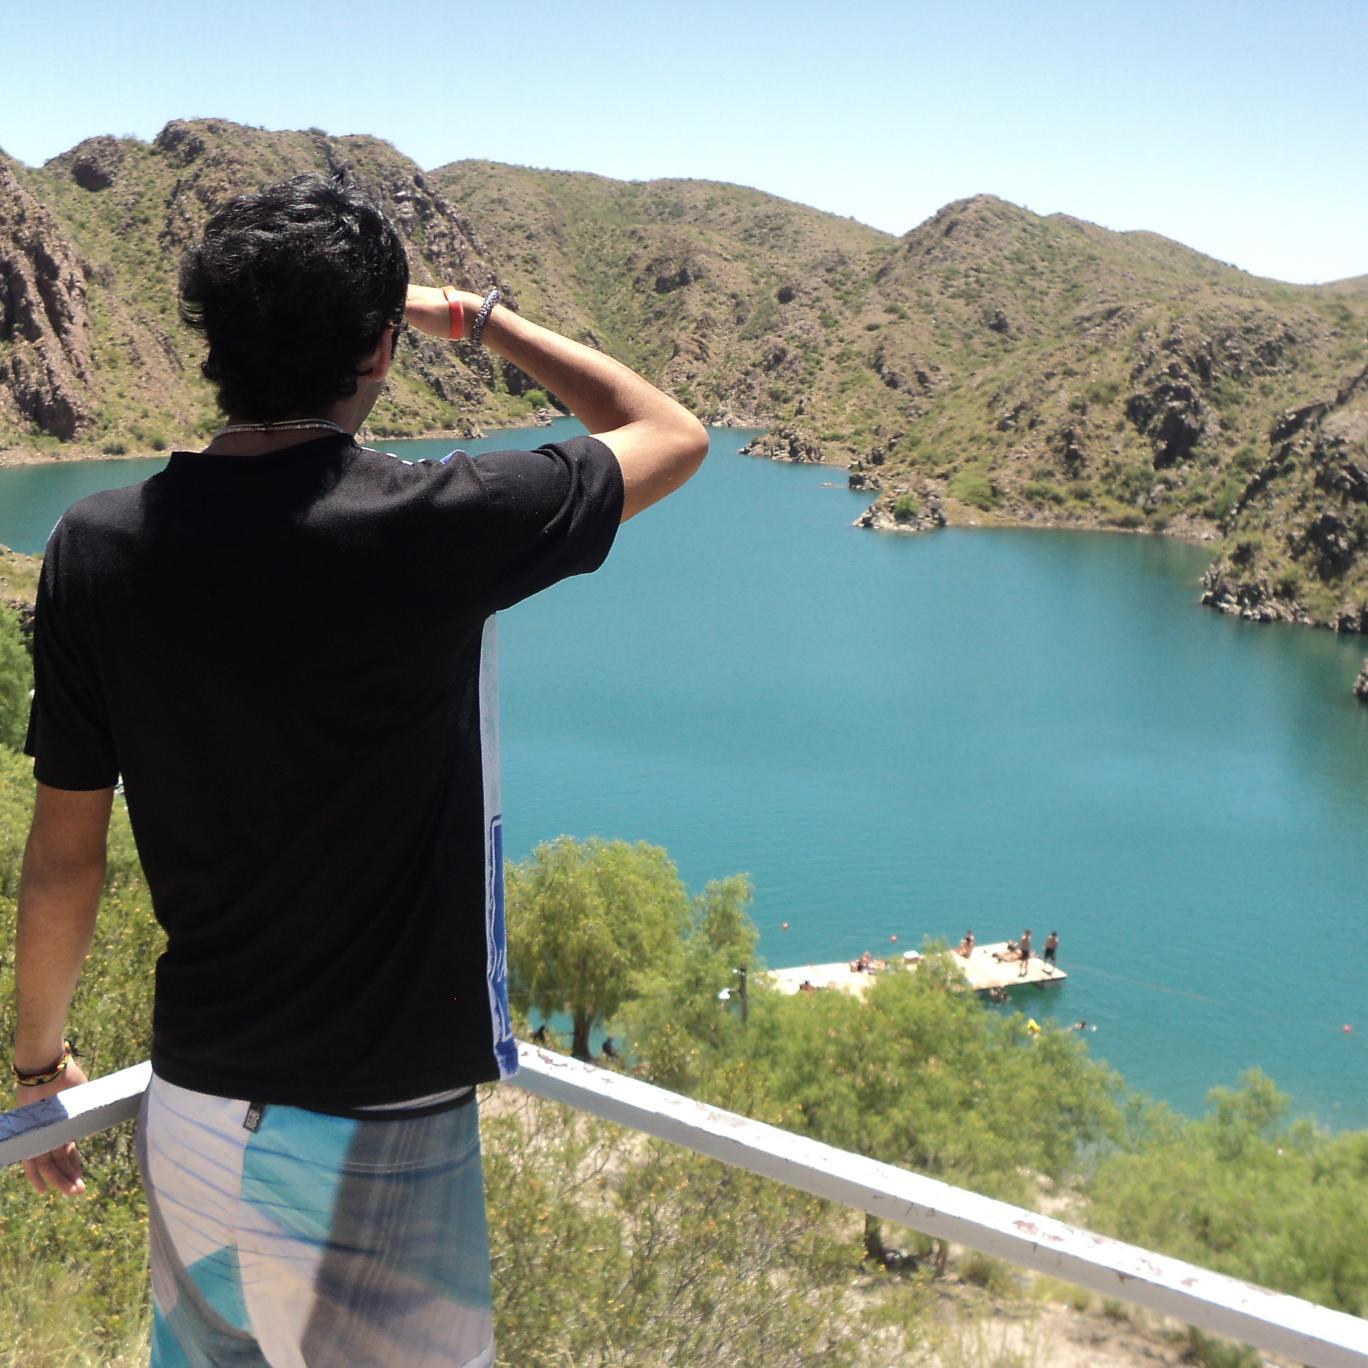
{"points": [[909, 736]]}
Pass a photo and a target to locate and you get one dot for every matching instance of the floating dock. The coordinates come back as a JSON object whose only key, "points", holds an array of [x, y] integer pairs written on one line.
{"points": [[982, 971]]}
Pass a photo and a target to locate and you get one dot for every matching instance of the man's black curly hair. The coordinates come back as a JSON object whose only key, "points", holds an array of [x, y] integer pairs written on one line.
{"points": [[291, 287]]}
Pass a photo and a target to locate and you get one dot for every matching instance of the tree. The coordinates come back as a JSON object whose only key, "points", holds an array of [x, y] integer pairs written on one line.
{"points": [[16, 679], [676, 1025], [1249, 1191], [918, 1074], [586, 920]]}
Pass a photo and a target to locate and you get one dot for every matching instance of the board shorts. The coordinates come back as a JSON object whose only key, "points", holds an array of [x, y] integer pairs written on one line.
{"points": [[313, 1239]]}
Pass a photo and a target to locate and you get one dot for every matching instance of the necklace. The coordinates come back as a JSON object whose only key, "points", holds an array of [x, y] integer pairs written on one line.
{"points": [[287, 425]]}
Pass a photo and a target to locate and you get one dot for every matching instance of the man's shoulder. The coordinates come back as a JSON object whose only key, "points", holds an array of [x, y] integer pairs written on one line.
{"points": [[106, 511]]}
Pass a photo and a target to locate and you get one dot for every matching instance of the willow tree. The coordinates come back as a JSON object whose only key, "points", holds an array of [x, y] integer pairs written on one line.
{"points": [[586, 921]]}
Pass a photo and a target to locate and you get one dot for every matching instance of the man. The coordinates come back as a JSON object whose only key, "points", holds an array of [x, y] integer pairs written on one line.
{"points": [[284, 646], [1024, 951], [1051, 950]]}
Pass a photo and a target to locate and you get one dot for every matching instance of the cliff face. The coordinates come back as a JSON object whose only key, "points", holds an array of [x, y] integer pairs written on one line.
{"points": [[44, 323], [989, 365], [90, 246]]}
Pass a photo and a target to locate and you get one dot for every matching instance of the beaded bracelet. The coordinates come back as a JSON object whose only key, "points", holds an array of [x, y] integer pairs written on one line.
{"points": [[455, 313], [481, 318], [37, 1078]]}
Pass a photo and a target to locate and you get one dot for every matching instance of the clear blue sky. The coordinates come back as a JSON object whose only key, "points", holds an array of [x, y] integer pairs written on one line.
{"points": [[1237, 128]]}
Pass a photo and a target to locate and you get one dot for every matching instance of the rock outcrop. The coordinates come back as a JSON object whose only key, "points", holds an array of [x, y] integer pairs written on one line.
{"points": [[1298, 533], [786, 444], [96, 163], [1167, 406], [1254, 599], [902, 509], [44, 322], [1361, 683]]}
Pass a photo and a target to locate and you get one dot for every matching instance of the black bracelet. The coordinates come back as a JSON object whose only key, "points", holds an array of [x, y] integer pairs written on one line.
{"points": [[481, 318]]}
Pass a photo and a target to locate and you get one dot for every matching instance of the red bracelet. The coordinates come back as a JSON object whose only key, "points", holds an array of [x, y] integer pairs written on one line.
{"points": [[455, 313]]}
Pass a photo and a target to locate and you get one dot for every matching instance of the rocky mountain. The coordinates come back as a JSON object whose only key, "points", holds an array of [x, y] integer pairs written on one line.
{"points": [[990, 365]]}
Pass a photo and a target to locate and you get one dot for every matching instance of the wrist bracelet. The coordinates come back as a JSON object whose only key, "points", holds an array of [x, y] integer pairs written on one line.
{"points": [[455, 313], [481, 318], [38, 1077]]}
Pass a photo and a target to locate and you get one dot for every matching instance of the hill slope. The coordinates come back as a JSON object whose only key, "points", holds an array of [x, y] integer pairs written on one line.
{"points": [[989, 365]]}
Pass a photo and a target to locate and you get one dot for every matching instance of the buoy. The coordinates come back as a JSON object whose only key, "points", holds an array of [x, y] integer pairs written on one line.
{"points": [[893, 938], [1347, 1029], [783, 926]]}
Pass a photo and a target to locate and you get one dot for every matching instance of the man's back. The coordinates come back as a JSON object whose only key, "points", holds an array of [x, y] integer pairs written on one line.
{"points": [[290, 653]]}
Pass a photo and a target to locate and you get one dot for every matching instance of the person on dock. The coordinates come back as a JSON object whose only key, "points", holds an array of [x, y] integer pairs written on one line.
{"points": [[284, 645], [1024, 952], [966, 947], [1051, 948]]}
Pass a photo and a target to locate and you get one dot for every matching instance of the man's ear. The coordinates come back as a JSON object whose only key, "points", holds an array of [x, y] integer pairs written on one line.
{"points": [[376, 363]]}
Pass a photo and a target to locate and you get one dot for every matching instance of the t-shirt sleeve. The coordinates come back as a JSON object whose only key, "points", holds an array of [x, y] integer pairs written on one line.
{"points": [[68, 732], [549, 514]]}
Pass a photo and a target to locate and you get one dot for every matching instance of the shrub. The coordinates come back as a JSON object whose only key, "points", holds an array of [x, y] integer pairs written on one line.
{"points": [[905, 508], [988, 1273], [1044, 491], [972, 485], [16, 679], [1222, 498]]}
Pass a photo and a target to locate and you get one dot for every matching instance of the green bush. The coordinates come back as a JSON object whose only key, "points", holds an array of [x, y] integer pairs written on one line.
{"points": [[973, 486], [1044, 491], [1222, 497], [1246, 1190], [16, 680], [988, 1273], [904, 508]]}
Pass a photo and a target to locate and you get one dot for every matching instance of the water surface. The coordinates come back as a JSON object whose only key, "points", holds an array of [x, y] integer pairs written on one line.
{"points": [[991, 729]]}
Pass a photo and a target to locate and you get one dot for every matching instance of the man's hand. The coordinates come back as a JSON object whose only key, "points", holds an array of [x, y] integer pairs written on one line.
{"points": [[426, 309], [58, 1170]]}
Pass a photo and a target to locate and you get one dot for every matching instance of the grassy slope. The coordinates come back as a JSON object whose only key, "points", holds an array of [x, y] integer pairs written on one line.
{"points": [[1013, 367]]}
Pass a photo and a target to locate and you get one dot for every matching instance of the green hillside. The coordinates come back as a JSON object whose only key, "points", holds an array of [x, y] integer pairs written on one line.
{"points": [[990, 365]]}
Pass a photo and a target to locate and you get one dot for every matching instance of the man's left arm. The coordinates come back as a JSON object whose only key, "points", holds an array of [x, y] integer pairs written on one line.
{"points": [[59, 895]]}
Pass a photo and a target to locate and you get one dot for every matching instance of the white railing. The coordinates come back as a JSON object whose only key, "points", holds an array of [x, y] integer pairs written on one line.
{"points": [[1267, 1320]]}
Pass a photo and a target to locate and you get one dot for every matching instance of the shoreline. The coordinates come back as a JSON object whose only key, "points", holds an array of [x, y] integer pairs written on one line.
{"points": [[950, 513], [18, 458]]}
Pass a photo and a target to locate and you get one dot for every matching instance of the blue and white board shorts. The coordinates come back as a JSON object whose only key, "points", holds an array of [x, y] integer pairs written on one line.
{"points": [[313, 1239]]}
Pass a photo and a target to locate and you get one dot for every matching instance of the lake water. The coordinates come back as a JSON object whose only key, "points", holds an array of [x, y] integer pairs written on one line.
{"points": [[991, 729]]}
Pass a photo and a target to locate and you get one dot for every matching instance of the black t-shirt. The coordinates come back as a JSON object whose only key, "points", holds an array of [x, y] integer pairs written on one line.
{"points": [[288, 659]]}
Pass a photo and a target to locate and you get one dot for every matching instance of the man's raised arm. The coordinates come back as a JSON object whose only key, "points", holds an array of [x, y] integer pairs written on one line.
{"points": [[658, 443]]}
